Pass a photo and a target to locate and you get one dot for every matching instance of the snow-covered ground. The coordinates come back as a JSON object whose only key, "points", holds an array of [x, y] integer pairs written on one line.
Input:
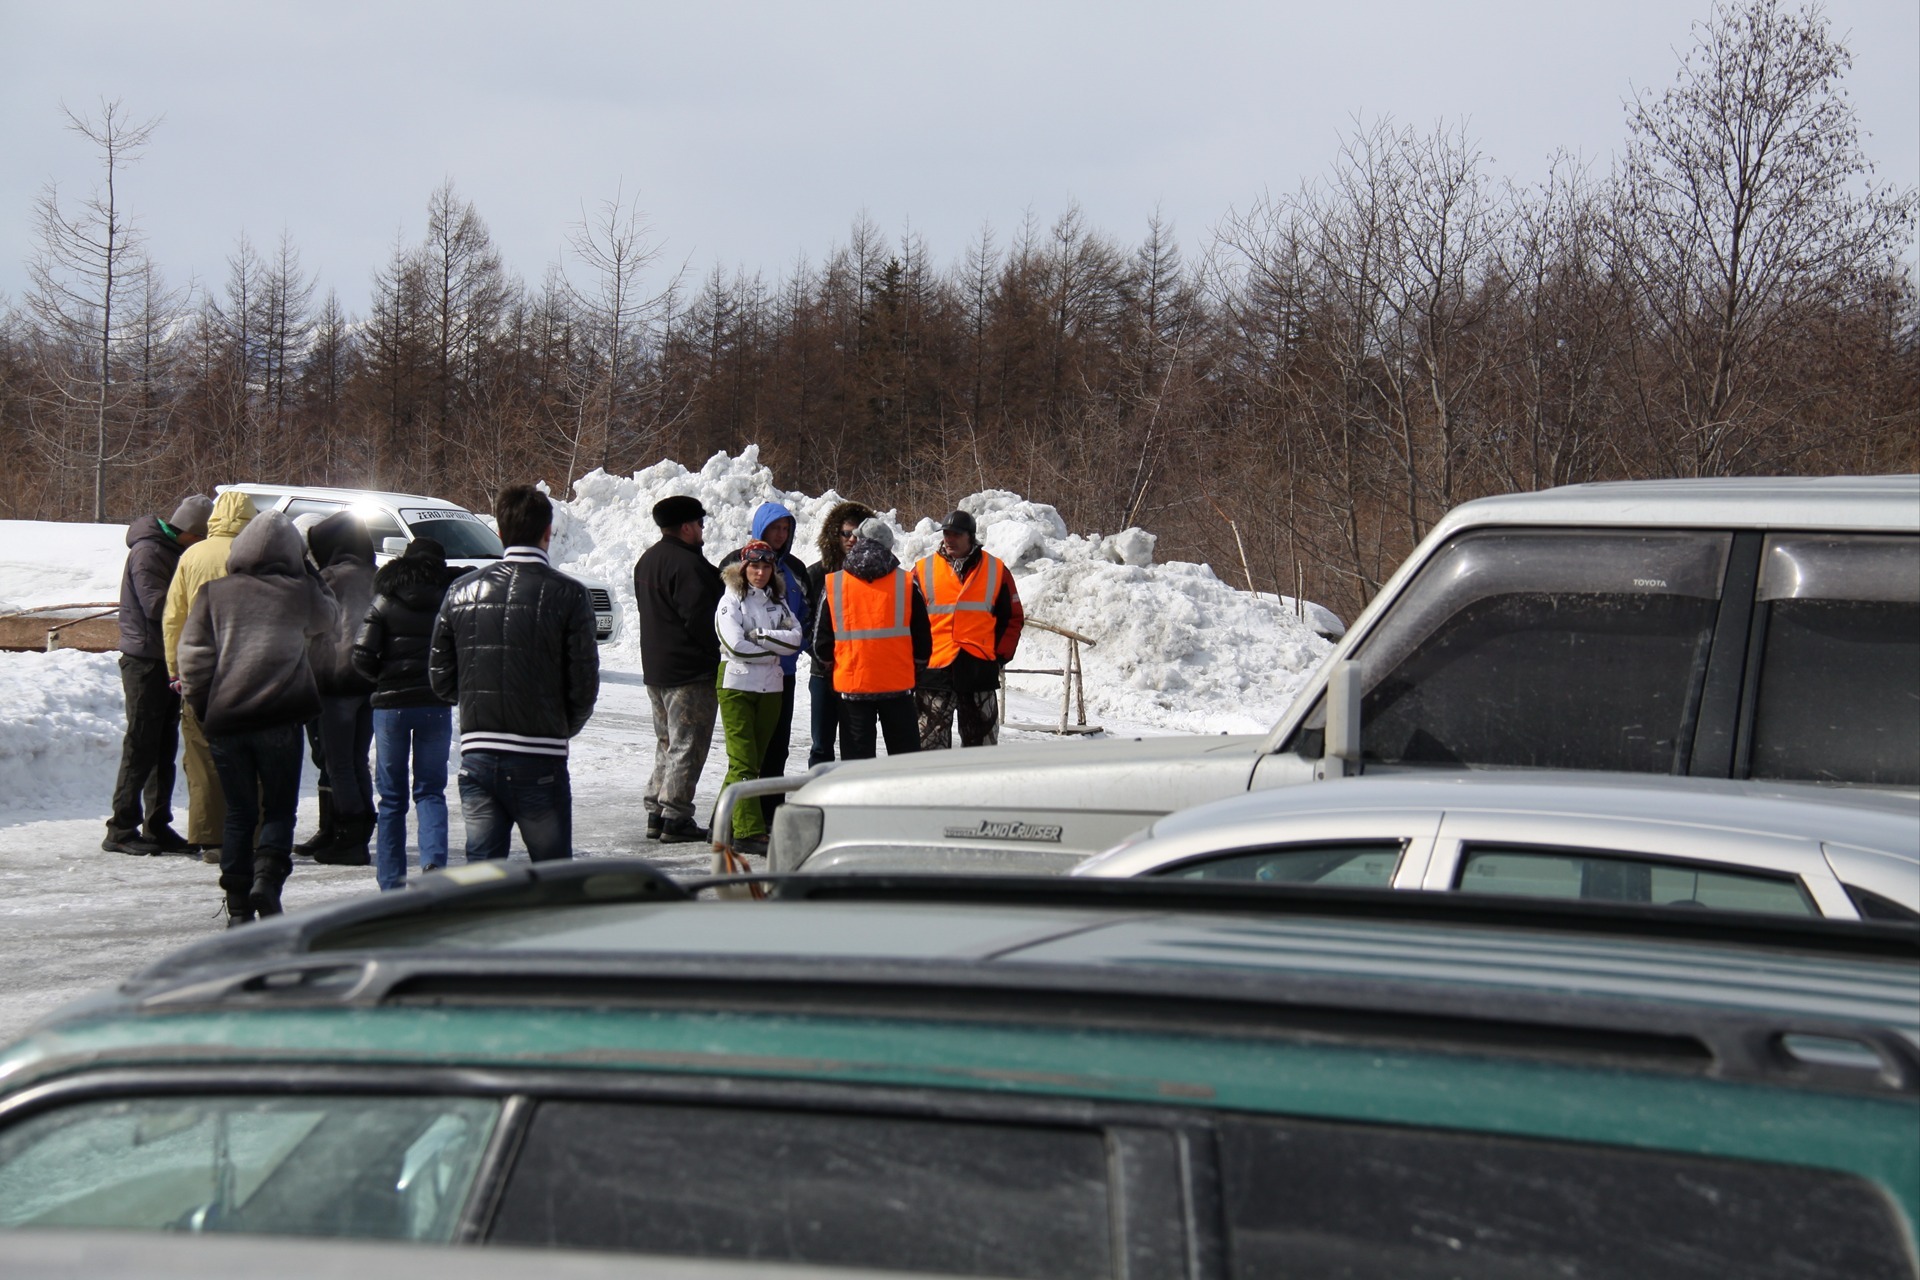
{"points": [[1178, 651]]}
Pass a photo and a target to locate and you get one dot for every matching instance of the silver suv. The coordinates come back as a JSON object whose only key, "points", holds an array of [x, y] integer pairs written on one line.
{"points": [[395, 519], [1746, 628]]}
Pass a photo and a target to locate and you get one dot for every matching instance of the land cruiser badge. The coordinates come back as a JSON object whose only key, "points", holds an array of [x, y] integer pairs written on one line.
{"points": [[1006, 831]]}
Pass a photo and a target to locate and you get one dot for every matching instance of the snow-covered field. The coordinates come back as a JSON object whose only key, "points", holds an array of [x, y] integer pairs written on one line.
{"points": [[1178, 651]]}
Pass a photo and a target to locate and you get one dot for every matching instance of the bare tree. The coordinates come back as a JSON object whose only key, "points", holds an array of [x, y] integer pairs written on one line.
{"points": [[615, 246], [466, 291], [94, 301], [1745, 210]]}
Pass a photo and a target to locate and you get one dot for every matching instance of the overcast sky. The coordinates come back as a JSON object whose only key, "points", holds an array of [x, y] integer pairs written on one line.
{"points": [[753, 134]]}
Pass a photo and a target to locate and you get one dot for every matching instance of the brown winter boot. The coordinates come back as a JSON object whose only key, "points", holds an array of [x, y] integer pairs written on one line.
{"points": [[270, 870]]}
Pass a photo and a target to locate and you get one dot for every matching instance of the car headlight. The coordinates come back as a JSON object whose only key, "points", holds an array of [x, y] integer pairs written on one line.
{"points": [[796, 833]]}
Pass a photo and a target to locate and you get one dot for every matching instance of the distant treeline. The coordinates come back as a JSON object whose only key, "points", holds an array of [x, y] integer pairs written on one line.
{"points": [[1297, 402]]}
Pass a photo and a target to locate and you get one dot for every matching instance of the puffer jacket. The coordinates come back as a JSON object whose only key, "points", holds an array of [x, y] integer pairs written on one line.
{"points": [[153, 553], [513, 645], [243, 649], [793, 571], [343, 549], [833, 554], [393, 641], [204, 561], [757, 633]]}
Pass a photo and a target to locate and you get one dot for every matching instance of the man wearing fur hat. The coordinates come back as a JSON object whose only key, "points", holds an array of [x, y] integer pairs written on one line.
{"points": [[142, 821], [677, 591]]}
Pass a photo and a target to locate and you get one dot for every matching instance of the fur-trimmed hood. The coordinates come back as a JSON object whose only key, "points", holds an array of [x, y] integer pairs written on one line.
{"points": [[418, 580], [832, 552]]}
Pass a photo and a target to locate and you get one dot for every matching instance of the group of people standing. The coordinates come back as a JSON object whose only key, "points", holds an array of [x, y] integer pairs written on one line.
{"points": [[893, 653], [248, 641]]}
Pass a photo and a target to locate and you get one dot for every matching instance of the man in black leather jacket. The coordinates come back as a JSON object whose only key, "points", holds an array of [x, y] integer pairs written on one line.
{"points": [[514, 646]]}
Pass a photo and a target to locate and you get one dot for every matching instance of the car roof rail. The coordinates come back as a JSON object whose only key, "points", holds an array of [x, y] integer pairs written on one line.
{"points": [[456, 890]]}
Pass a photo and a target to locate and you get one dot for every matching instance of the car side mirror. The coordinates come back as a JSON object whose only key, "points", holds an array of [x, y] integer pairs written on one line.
{"points": [[393, 546], [1341, 757]]}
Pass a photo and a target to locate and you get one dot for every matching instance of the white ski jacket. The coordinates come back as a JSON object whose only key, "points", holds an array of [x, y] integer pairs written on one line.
{"points": [[756, 631]]}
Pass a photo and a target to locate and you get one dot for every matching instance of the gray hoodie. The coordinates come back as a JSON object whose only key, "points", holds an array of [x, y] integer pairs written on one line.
{"points": [[243, 653]]}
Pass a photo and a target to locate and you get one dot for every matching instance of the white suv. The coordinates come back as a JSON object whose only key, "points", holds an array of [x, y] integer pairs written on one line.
{"points": [[1764, 629], [395, 519]]}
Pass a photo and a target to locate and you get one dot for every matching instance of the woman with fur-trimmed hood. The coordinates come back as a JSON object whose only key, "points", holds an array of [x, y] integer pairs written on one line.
{"points": [[836, 536], [756, 630]]}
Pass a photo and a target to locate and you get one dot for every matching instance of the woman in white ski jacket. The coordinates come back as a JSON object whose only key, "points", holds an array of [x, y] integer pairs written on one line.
{"points": [[756, 630]]}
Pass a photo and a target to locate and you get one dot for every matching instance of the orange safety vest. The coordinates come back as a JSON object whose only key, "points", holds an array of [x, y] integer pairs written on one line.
{"points": [[872, 633], [961, 612]]}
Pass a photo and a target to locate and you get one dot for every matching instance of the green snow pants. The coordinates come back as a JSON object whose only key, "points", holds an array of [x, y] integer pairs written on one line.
{"points": [[748, 720]]}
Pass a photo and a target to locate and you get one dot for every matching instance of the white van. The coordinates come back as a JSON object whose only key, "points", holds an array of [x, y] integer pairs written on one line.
{"points": [[395, 519]]}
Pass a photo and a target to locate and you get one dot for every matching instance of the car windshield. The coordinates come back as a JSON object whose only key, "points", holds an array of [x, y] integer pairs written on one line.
{"points": [[461, 534]]}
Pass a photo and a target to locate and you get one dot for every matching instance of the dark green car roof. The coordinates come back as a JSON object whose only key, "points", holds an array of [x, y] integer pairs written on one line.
{"points": [[1784, 1041]]}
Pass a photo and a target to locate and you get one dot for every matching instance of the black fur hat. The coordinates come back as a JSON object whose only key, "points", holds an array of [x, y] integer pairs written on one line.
{"points": [[671, 513]]}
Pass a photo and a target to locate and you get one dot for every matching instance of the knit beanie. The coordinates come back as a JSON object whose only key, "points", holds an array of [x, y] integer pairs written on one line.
{"points": [[876, 530], [191, 515], [671, 513]]}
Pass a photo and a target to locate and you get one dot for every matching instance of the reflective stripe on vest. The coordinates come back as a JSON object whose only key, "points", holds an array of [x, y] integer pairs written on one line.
{"points": [[870, 656], [961, 611]]}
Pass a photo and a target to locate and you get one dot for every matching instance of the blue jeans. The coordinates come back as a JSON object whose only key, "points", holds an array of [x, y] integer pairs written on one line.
{"points": [[501, 790], [424, 735], [826, 715], [260, 776]]}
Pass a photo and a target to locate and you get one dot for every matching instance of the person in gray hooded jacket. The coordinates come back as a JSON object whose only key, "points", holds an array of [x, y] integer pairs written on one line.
{"points": [[343, 550], [244, 669]]}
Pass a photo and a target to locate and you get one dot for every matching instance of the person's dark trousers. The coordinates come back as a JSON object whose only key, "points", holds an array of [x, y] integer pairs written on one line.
{"points": [[894, 717], [346, 737], [774, 763], [501, 790], [979, 718], [826, 716], [143, 791], [260, 778]]}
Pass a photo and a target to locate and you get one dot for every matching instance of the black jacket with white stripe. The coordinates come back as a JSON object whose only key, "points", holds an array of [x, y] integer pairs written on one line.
{"points": [[514, 646]]}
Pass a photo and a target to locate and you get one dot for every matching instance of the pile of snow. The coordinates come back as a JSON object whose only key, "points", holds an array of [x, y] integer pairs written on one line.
{"points": [[1176, 647], [62, 715]]}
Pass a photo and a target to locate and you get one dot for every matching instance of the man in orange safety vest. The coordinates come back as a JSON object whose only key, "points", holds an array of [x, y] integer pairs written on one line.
{"points": [[975, 612], [873, 628]]}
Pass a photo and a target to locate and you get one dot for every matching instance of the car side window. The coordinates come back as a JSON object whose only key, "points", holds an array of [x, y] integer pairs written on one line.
{"points": [[310, 507], [364, 1167], [828, 1189], [1838, 698], [1592, 876], [1312, 1199], [1365, 864], [1547, 649]]}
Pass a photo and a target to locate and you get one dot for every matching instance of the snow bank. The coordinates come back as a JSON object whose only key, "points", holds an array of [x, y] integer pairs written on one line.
{"points": [[62, 715], [1176, 647], [44, 562]]}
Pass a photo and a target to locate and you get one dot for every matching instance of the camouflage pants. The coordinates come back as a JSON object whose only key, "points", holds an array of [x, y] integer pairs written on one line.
{"points": [[979, 718], [683, 731]]}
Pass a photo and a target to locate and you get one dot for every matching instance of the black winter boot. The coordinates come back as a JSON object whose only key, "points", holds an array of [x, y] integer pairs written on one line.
{"points": [[239, 909], [349, 846], [324, 836], [270, 870]]}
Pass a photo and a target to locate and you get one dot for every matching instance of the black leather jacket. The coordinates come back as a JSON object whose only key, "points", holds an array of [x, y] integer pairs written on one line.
{"points": [[513, 645]]}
